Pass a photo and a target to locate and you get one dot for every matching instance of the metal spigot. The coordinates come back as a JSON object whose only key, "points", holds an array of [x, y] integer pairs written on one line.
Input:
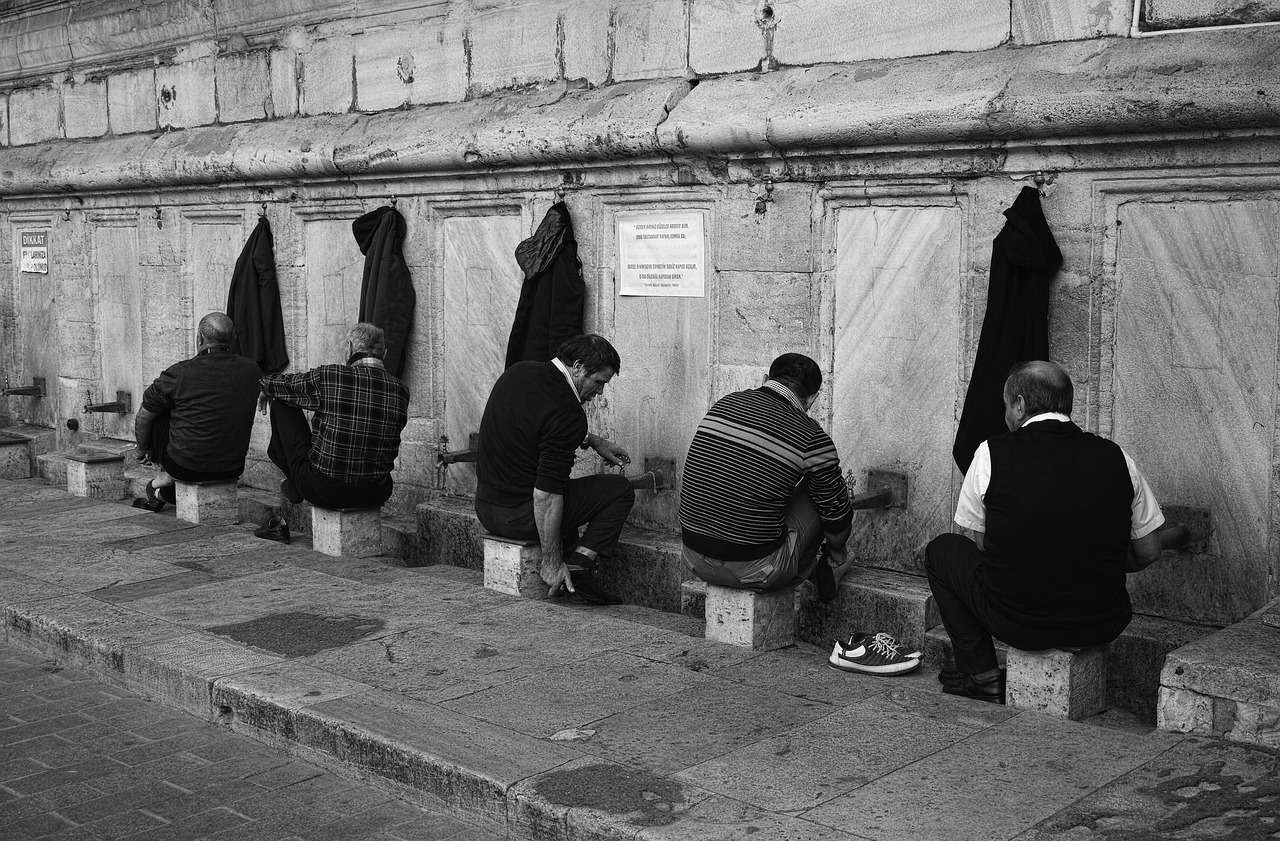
{"points": [[456, 456], [36, 389], [122, 405]]}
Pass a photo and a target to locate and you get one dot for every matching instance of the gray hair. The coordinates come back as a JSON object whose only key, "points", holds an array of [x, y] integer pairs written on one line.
{"points": [[217, 329], [365, 338], [1043, 385]]}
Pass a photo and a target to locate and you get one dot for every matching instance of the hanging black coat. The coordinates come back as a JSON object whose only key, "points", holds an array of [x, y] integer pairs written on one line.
{"points": [[253, 303], [553, 296], [387, 297], [1024, 258]]}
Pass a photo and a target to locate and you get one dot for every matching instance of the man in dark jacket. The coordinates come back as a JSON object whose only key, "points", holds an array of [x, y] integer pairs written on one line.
{"points": [[1058, 517], [532, 427], [196, 418]]}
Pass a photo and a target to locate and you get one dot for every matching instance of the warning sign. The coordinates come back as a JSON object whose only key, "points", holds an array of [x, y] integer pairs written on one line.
{"points": [[34, 252]]}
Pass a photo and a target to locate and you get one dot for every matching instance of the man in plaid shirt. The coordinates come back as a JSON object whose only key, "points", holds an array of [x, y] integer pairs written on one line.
{"points": [[344, 458]]}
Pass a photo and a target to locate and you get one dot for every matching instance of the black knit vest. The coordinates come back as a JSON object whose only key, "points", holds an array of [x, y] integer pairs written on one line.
{"points": [[1058, 515]]}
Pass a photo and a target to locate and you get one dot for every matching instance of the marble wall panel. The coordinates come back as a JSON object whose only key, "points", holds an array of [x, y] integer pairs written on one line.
{"points": [[481, 287], [118, 290], [333, 274], [1047, 21], [762, 315], [212, 246], [37, 314], [895, 369], [770, 235], [1177, 14], [1195, 372]]}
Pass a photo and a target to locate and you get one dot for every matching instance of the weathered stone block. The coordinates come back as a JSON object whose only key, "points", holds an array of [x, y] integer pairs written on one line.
{"points": [[349, 532], [95, 476], [284, 83], [131, 101], [759, 621], [4, 119], [728, 37], [835, 31], [586, 37], [326, 77], [870, 600], [208, 503], [1187, 14], [1136, 659], [15, 459], [511, 566], [651, 40], [84, 108], [1184, 711], [1046, 21], [513, 46], [1063, 683], [33, 115], [1257, 724], [185, 94], [765, 230], [693, 598], [418, 65], [244, 87]]}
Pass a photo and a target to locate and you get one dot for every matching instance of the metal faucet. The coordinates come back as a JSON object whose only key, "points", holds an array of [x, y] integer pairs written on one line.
{"points": [[122, 405], [470, 454], [36, 389]]}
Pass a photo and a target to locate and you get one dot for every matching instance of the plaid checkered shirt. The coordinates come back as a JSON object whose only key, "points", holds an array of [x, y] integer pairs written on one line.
{"points": [[359, 409]]}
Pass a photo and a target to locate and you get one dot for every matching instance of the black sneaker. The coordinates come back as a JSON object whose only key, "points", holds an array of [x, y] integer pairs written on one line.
{"points": [[872, 655], [275, 528]]}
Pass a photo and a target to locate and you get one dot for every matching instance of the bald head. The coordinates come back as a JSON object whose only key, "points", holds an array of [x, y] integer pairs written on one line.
{"points": [[216, 330], [1033, 388]]}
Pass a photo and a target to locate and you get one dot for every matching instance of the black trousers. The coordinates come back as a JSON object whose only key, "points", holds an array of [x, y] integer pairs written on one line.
{"points": [[158, 443], [600, 502], [290, 450], [951, 562]]}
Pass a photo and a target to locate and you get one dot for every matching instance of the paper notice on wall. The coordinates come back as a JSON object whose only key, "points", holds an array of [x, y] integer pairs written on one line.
{"points": [[661, 254], [34, 252]]}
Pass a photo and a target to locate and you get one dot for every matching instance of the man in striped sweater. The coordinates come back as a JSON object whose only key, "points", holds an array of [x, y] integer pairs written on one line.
{"points": [[762, 486]]}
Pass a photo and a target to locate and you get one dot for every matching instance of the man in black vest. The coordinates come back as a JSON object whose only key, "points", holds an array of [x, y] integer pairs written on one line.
{"points": [[532, 427], [1058, 517]]}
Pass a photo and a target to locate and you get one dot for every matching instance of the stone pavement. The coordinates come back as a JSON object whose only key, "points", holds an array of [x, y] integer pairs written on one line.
{"points": [[82, 760], [549, 720]]}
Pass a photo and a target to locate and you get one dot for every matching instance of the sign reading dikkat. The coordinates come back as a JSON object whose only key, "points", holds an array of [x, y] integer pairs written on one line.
{"points": [[34, 252], [661, 254]]}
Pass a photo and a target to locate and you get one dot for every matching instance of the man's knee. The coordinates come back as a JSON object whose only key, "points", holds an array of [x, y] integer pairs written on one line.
{"points": [[944, 548], [620, 487]]}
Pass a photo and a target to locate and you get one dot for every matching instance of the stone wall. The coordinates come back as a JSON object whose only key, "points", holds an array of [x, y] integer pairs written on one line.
{"points": [[849, 189]]}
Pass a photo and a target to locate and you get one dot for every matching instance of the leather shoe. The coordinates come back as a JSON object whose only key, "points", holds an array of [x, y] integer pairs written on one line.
{"points": [[585, 587], [153, 502], [275, 528], [990, 690]]}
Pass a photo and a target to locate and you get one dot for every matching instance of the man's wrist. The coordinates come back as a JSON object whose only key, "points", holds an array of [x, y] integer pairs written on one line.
{"points": [[586, 442]]}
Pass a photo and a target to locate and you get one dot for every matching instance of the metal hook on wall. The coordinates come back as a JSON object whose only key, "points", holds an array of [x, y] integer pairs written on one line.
{"points": [[560, 193], [262, 213], [159, 218], [1042, 182], [393, 199]]}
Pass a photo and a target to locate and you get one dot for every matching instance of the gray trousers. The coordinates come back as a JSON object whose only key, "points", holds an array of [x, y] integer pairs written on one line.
{"points": [[788, 565]]}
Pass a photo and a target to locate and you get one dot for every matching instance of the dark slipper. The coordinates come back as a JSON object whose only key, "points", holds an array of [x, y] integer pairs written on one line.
{"points": [[584, 587], [275, 528], [153, 502]]}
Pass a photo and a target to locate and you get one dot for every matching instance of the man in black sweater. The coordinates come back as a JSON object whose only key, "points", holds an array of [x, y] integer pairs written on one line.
{"points": [[532, 427], [1058, 517]]}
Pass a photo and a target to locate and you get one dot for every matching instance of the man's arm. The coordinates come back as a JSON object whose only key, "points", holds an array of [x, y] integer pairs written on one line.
{"points": [[142, 434], [609, 451], [1143, 552], [548, 512]]}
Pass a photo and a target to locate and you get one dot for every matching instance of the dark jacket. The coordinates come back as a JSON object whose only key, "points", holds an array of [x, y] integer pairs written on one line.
{"points": [[253, 303], [387, 297], [553, 296], [1024, 258]]}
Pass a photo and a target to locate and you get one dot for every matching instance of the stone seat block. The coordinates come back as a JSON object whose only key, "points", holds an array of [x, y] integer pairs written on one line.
{"points": [[15, 458], [759, 621], [349, 532], [511, 566], [693, 598], [208, 503], [99, 476], [1071, 683]]}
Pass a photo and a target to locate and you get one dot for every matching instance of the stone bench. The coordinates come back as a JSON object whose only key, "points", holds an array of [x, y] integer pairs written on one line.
{"points": [[511, 566], [760, 621], [215, 503], [15, 457], [1071, 683], [348, 532], [99, 476]]}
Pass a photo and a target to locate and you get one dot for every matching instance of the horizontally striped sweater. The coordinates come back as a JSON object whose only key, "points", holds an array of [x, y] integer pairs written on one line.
{"points": [[747, 457]]}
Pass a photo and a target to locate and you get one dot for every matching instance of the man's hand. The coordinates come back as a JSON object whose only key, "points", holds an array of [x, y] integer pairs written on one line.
{"points": [[610, 451], [144, 457], [839, 559], [556, 575], [263, 400]]}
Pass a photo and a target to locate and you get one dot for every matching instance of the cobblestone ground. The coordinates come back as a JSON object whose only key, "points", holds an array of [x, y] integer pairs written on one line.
{"points": [[82, 760]]}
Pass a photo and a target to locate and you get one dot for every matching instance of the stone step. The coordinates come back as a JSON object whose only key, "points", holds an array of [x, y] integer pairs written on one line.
{"points": [[870, 600], [399, 534], [1225, 684]]}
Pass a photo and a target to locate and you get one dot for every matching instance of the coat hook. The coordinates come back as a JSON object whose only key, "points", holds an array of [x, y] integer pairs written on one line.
{"points": [[560, 193], [263, 212], [1041, 182], [159, 219], [393, 200]]}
